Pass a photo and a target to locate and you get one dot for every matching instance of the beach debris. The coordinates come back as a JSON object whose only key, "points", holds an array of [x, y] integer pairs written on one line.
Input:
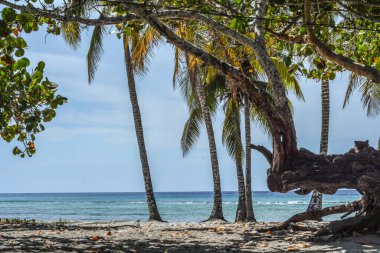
{"points": [[246, 227], [263, 244], [303, 245], [248, 244], [268, 232], [95, 238], [109, 233], [138, 223], [220, 229], [292, 249], [289, 239], [254, 232]]}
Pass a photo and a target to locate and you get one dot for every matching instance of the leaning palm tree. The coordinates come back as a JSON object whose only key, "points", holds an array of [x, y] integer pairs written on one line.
{"points": [[135, 60], [152, 206]]}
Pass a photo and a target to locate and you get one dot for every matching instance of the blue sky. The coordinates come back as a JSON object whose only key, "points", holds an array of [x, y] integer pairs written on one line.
{"points": [[91, 145]]}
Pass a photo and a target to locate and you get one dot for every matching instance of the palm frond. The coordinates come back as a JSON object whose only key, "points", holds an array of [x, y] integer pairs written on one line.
{"points": [[370, 97], [177, 66], [215, 87], [354, 82], [142, 49], [260, 120], [289, 79], [185, 87], [71, 34], [231, 133], [370, 94], [191, 130], [95, 52]]}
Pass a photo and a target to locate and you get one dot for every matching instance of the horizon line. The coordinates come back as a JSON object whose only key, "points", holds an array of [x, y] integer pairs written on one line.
{"points": [[94, 192]]}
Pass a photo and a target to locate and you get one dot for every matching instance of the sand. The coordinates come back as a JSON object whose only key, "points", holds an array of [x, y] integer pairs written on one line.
{"points": [[173, 237]]}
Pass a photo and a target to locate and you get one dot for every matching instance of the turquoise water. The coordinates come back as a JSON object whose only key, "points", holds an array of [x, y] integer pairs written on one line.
{"points": [[173, 206]]}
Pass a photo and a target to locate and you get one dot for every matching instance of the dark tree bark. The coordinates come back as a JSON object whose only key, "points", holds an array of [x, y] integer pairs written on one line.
{"points": [[357, 169], [325, 97], [241, 211], [152, 206], [248, 169]]}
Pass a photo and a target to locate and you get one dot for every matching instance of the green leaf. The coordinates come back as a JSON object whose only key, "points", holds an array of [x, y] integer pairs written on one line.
{"points": [[16, 151], [362, 48], [233, 24], [8, 14], [19, 52]]}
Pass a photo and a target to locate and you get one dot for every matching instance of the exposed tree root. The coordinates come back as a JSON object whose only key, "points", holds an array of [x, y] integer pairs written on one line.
{"points": [[351, 207], [214, 219], [366, 223]]}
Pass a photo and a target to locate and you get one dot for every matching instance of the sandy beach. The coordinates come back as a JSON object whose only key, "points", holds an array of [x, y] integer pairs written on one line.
{"points": [[174, 237]]}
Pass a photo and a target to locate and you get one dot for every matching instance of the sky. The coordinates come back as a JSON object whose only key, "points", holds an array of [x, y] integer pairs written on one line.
{"points": [[91, 145]]}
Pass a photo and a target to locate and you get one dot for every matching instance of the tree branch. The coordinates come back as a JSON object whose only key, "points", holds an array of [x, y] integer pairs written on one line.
{"points": [[264, 151], [286, 38], [65, 18], [324, 51]]}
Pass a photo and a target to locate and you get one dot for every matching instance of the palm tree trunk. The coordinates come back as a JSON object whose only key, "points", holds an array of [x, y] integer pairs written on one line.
{"points": [[316, 198], [152, 206], [248, 174], [241, 211], [217, 210], [325, 118]]}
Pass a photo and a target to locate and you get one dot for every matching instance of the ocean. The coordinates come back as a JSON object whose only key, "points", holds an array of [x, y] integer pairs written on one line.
{"points": [[173, 206]]}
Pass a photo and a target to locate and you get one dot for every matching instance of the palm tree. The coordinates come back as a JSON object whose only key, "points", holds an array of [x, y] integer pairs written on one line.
{"points": [[217, 87], [194, 78], [316, 198], [135, 62], [231, 137], [152, 206]]}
